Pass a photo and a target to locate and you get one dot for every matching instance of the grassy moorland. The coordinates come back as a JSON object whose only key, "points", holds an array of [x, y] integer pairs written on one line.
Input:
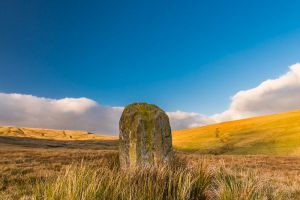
{"points": [[81, 173], [277, 134], [87, 169], [53, 164]]}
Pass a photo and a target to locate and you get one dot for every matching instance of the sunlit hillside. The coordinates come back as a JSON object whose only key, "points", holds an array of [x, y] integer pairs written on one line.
{"points": [[50, 134], [277, 134]]}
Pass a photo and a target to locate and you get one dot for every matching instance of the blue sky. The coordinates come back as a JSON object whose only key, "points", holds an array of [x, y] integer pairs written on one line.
{"points": [[182, 55]]}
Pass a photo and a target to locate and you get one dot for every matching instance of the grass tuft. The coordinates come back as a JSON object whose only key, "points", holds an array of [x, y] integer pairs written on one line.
{"points": [[160, 182]]}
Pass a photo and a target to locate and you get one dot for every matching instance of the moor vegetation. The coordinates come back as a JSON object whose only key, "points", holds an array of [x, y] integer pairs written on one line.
{"points": [[78, 173], [249, 159]]}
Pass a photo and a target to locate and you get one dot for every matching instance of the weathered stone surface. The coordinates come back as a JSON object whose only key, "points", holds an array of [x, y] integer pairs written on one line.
{"points": [[145, 136]]}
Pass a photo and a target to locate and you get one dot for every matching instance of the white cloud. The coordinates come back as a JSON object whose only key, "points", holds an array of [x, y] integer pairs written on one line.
{"points": [[75, 113], [67, 113], [271, 96], [182, 120]]}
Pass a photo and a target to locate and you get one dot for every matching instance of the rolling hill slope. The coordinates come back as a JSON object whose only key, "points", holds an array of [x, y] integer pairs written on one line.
{"points": [[50, 134], [277, 134], [14, 137]]}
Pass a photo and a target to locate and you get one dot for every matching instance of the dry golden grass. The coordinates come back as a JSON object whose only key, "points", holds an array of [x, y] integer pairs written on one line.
{"points": [[29, 167], [25, 158], [29, 171], [55, 164]]}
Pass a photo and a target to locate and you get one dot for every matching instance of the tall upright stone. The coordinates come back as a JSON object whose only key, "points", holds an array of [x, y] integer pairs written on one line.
{"points": [[145, 136]]}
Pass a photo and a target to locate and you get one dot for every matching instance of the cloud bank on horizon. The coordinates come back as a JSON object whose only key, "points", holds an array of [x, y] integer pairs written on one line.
{"points": [[75, 114], [271, 96]]}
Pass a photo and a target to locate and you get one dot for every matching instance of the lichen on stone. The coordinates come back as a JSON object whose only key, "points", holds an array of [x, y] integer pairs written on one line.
{"points": [[145, 135]]}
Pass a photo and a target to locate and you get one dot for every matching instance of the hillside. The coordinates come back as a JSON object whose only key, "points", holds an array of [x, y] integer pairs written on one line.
{"points": [[277, 134], [50, 134], [14, 138]]}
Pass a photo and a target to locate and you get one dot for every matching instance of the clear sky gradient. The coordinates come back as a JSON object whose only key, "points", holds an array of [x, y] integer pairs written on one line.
{"points": [[181, 55]]}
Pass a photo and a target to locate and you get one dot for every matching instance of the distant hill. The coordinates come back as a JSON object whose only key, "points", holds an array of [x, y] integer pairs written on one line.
{"points": [[12, 138], [277, 134], [51, 134]]}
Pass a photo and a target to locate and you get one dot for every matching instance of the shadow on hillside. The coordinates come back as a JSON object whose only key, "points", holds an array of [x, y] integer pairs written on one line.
{"points": [[70, 144]]}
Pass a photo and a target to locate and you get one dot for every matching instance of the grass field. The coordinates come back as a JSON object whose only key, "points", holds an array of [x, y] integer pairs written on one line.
{"points": [[277, 134], [89, 169], [77, 172], [248, 159]]}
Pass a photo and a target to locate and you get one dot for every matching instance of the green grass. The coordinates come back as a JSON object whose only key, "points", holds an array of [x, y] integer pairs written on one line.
{"points": [[277, 134]]}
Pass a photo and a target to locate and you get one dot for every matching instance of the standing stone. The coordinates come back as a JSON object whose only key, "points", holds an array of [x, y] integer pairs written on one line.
{"points": [[145, 136]]}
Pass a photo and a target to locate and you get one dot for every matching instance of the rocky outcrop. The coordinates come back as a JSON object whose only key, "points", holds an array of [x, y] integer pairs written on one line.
{"points": [[145, 136]]}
